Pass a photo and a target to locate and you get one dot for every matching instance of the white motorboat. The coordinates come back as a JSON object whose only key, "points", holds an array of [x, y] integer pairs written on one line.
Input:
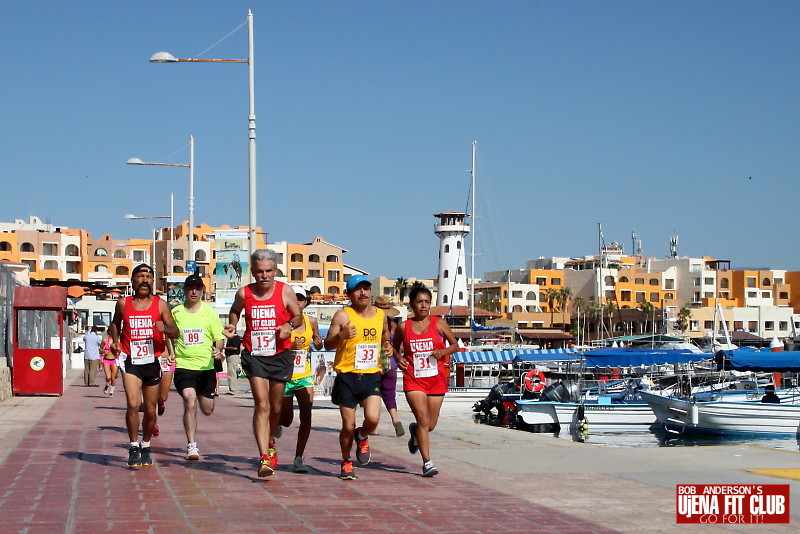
{"points": [[725, 415]]}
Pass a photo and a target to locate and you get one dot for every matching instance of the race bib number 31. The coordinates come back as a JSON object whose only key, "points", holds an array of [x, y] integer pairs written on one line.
{"points": [[367, 356], [425, 365]]}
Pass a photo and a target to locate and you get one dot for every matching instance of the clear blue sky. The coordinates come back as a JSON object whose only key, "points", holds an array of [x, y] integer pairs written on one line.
{"points": [[660, 117]]}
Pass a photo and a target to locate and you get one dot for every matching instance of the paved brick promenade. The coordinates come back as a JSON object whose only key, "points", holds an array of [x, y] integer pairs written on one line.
{"points": [[63, 469], [69, 474]]}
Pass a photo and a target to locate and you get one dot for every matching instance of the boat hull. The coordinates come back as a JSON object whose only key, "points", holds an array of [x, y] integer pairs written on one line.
{"points": [[725, 417], [633, 416]]}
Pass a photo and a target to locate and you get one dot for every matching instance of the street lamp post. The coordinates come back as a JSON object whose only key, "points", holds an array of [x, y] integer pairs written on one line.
{"points": [[137, 161], [166, 57], [130, 216]]}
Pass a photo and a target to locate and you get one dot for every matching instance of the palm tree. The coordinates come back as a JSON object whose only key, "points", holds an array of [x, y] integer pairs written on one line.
{"points": [[684, 315], [416, 284], [565, 294], [552, 295], [401, 286], [580, 308], [647, 308]]}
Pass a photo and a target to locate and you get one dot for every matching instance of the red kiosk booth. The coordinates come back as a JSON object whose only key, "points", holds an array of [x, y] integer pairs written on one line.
{"points": [[38, 341]]}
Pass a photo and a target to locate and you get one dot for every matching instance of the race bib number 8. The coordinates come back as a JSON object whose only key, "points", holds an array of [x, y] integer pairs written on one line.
{"points": [[299, 358], [193, 337], [425, 365], [263, 342], [142, 352], [367, 356]]}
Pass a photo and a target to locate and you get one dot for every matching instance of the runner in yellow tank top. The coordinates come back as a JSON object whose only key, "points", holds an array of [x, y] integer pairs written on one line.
{"points": [[357, 333], [302, 383]]}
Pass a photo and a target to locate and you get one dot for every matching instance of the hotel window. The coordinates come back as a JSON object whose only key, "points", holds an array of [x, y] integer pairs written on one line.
{"points": [[101, 319], [708, 325], [541, 281], [557, 281], [638, 281], [751, 281], [751, 294], [446, 249], [752, 325], [333, 276], [314, 273], [778, 281], [177, 254], [724, 295], [724, 284], [625, 296], [669, 283], [694, 326], [696, 282], [738, 325], [26, 247], [530, 295], [49, 249], [783, 295], [623, 279], [200, 255], [460, 294], [696, 296], [460, 270], [640, 296], [444, 299], [516, 294], [709, 281], [101, 269], [50, 265], [5, 246], [296, 257], [708, 295], [765, 295], [139, 256], [313, 257], [331, 258], [458, 244], [654, 281], [766, 282], [653, 297], [101, 252], [121, 270], [783, 325], [119, 253], [296, 274], [446, 274], [769, 325]]}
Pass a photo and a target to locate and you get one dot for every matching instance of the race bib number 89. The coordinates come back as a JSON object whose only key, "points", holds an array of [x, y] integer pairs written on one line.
{"points": [[193, 337]]}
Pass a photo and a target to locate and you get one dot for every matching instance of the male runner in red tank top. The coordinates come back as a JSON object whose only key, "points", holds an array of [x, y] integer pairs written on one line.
{"points": [[271, 313], [137, 331]]}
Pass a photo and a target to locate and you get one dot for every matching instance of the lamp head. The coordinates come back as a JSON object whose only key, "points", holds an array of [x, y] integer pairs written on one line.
{"points": [[135, 161], [130, 216], [163, 57]]}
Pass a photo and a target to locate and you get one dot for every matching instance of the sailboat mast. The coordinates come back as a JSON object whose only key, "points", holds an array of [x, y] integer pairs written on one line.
{"points": [[472, 255]]}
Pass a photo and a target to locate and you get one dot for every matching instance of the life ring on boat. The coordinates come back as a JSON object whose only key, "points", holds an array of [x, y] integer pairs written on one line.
{"points": [[534, 381]]}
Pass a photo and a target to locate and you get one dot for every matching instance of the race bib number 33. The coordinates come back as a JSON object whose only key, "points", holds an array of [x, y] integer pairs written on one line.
{"points": [[367, 356]]}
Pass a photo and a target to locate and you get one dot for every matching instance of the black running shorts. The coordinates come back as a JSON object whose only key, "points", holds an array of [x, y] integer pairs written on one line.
{"points": [[350, 389], [204, 383], [148, 373], [278, 367]]}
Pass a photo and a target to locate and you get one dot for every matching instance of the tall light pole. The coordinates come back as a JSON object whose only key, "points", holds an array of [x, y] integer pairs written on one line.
{"points": [[190, 246], [131, 216], [166, 57]]}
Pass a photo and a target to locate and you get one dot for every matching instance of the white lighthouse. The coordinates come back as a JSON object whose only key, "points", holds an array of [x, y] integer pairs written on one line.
{"points": [[452, 287]]}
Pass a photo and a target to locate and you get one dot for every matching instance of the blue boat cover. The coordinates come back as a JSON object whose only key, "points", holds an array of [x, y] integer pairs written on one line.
{"points": [[749, 359], [636, 357], [513, 355]]}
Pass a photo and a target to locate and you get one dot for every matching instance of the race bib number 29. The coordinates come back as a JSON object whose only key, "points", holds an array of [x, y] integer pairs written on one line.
{"points": [[142, 352]]}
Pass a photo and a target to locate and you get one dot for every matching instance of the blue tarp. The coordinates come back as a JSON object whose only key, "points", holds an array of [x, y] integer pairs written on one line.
{"points": [[513, 355], [748, 359], [636, 357]]}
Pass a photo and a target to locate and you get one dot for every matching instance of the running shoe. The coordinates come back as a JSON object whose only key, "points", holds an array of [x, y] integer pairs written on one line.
{"points": [[105, 390], [347, 471], [412, 441], [272, 454], [156, 432], [362, 448], [279, 431], [398, 429], [299, 466], [429, 470], [192, 453], [161, 408], [264, 470], [135, 457], [146, 458]]}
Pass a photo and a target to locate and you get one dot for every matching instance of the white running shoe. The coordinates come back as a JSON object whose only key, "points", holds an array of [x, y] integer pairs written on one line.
{"points": [[192, 453]]}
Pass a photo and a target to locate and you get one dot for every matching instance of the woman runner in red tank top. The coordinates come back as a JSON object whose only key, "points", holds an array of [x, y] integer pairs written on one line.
{"points": [[426, 342]]}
